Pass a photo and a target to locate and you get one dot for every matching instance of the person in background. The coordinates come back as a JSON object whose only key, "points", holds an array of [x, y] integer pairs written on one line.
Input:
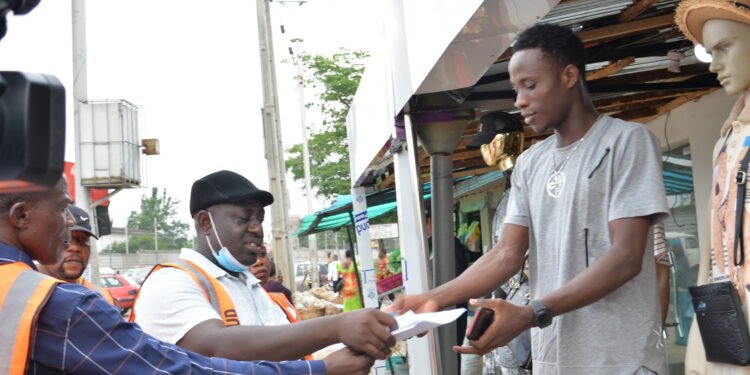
{"points": [[350, 291], [272, 284], [333, 270], [262, 270], [75, 258], [461, 263], [382, 270], [51, 327]]}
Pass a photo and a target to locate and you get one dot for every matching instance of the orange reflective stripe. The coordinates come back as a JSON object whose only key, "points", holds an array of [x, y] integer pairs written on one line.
{"points": [[105, 293], [23, 293], [286, 306], [289, 309], [212, 289]]}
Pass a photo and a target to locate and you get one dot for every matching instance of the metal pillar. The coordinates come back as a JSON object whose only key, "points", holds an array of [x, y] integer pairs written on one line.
{"points": [[281, 245], [443, 246]]}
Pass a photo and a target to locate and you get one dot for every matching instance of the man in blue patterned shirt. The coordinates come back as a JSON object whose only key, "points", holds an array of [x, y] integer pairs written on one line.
{"points": [[67, 328]]}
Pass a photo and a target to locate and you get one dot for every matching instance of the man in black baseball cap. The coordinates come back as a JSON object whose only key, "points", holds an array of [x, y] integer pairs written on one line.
{"points": [[73, 260], [208, 302]]}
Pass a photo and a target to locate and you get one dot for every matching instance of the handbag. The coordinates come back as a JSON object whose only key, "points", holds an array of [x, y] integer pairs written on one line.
{"points": [[517, 353], [721, 319], [721, 322], [520, 294]]}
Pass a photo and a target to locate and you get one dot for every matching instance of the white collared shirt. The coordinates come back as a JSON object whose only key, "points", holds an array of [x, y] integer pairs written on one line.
{"points": [[171, 303]]}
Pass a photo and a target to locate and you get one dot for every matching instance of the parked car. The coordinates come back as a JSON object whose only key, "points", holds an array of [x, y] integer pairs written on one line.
{"points": [[302, 275], [139, 273], [122, 289]]}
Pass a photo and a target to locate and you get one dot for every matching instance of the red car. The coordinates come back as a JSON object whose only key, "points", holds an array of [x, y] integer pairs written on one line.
{"points": [[121, 289]]}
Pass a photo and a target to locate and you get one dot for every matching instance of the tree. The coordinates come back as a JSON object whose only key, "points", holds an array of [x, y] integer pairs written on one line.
{"points": [[337, 77], [159, 209]]}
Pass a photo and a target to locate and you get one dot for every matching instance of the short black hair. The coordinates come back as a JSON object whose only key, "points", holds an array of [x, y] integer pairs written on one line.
{"points": [[349, 254], [8, 200], [272, 269], [557, 42]]}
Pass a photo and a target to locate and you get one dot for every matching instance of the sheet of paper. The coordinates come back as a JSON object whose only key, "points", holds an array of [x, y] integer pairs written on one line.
{"points": [[411, 324]]}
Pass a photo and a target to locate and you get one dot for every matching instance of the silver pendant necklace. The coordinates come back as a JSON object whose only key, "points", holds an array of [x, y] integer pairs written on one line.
{"points": [[556, 180]]}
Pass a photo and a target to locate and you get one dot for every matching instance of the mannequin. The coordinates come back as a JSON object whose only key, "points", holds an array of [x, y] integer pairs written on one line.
{"points": [[723, 28]]}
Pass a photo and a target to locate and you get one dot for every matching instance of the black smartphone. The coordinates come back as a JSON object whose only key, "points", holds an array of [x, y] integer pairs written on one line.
{"points": [[480, 323]]}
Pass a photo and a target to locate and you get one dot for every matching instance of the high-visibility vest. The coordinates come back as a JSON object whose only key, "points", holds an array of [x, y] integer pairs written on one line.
{"points": [[105, 293], [292, 315], [214, 292], [23, 293]]}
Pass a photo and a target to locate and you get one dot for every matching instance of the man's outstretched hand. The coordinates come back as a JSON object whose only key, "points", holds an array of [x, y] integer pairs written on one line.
{"points": [[367, 331], [418, 303], [509, 321], [346, 362]]}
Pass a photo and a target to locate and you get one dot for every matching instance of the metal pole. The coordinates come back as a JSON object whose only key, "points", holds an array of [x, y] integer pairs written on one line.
{"points": [[313, 243], [441, 171], [127, 239], [80, 97], [281, 244], [156, 241]]}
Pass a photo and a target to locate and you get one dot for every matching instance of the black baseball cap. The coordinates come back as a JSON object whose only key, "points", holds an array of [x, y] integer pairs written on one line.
{"points": [[492, 124], [83, 221], [225, 187]]}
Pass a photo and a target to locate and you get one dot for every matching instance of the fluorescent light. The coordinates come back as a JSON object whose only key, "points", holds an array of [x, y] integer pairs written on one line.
{"points": [[701, 54]]}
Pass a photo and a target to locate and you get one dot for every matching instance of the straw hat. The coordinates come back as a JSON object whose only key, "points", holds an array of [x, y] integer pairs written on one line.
{"points": [[691, 15]]}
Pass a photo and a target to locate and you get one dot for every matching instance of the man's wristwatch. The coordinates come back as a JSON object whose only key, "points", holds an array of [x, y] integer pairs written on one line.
{"points": [[542, 316]]}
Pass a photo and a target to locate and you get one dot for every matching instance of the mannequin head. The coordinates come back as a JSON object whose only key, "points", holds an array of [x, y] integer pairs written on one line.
{"points": [[723, 28], [729, 45]]}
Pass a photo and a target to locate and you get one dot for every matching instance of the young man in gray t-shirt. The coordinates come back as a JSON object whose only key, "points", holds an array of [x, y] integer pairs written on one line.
{"points": [[583, 203]]}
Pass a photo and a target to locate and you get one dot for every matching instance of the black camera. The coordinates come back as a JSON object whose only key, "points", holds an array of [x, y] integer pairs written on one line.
{"points": [[32, 130], [32, 121]]}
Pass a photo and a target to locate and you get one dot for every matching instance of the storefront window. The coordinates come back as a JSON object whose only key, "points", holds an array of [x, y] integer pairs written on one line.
{"points": [[682, 237]]}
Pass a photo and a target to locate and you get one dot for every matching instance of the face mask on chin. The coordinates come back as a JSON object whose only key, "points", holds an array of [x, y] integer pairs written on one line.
{"points": [[503, 150], [225, 259]]}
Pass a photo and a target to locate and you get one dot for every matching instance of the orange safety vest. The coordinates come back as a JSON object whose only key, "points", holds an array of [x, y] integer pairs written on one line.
{"points": [[214, 292], [23, 293], [105, 293], [292, 315]]}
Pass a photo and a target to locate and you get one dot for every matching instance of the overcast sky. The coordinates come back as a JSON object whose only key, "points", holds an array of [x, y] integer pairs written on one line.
{"points": [[193, 68]]}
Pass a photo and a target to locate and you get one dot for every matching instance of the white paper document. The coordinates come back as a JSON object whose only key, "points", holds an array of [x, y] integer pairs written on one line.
{"points": [[411, 324]]}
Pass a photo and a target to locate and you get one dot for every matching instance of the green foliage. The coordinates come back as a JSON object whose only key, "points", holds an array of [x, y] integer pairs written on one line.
{"points": [[159, 209], [336, 77]]}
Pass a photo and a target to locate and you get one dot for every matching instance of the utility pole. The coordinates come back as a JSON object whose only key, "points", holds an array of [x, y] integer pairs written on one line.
{"points": [[312, 240], [156, 241], [127, 239], [274, 148], [80, 96]]}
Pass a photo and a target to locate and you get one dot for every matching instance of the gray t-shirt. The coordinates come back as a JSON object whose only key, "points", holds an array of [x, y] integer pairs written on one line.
{"points": [[614, 173]]}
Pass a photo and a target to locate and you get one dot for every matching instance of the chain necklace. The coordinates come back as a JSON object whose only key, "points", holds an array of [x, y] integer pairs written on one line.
{"points": [[556, 179]]}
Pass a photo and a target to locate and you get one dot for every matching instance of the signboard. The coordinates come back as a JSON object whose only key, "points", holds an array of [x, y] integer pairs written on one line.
{"points": [[381, 231]]}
